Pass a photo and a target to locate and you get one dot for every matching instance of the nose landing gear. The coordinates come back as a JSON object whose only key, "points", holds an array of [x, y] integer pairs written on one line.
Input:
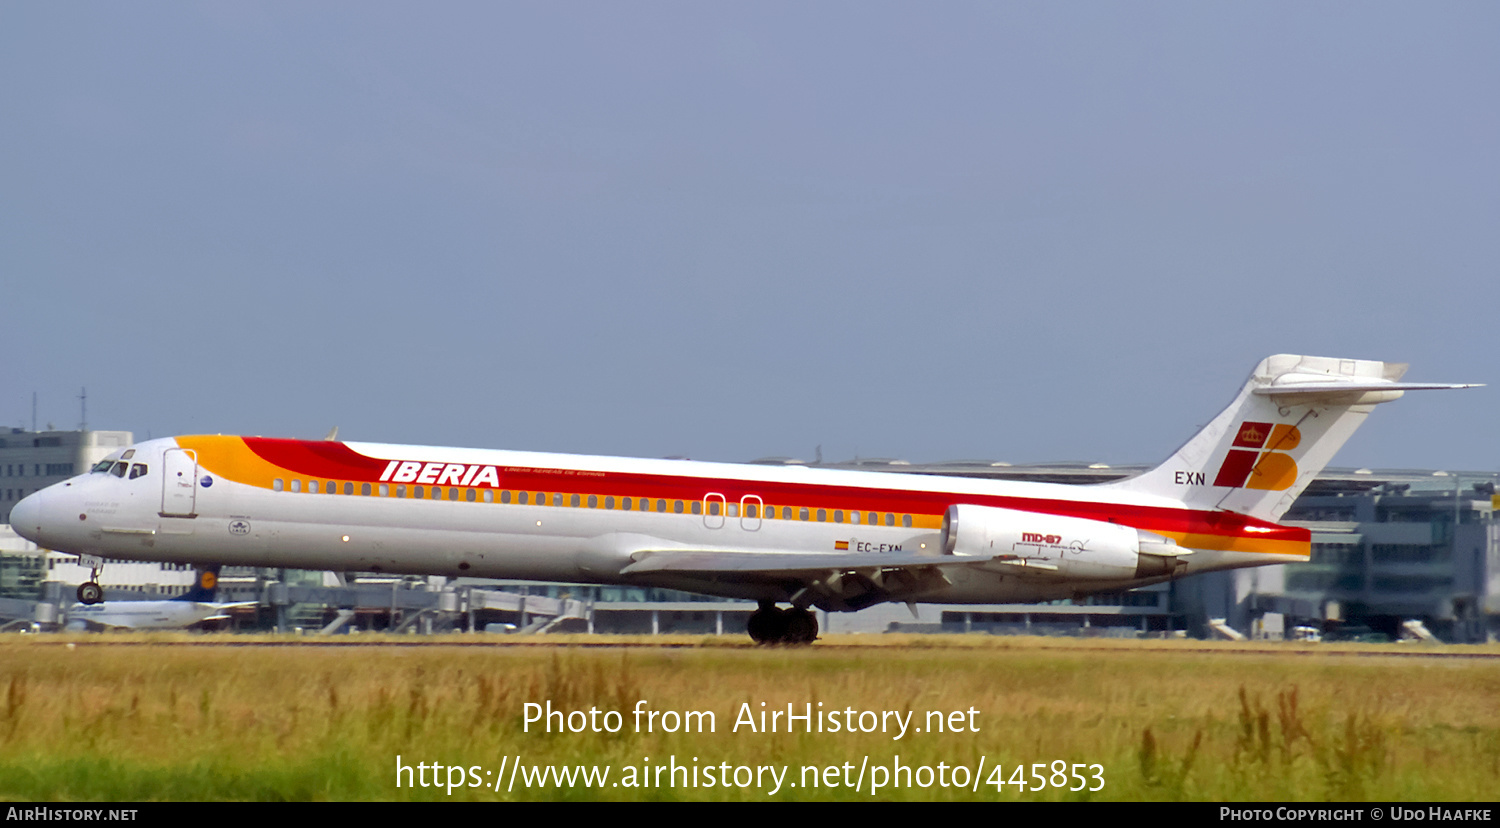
{"points": [[772, 625], [90, 592]]}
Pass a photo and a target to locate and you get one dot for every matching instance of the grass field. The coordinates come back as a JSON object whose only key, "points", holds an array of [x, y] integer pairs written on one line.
{"points": [[182, 718]]}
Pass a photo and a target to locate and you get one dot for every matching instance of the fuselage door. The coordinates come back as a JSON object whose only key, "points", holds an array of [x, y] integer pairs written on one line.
{"points": [[713, 510], [751, 509], [179, 483]]}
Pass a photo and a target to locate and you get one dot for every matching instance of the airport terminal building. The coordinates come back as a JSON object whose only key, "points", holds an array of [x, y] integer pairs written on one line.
{"points": [[1390, 547], [1395, 554], [33, 460]]}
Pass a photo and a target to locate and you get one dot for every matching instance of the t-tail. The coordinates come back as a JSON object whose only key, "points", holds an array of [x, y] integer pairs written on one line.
{"points": [[1262, 451], [205, 586]]}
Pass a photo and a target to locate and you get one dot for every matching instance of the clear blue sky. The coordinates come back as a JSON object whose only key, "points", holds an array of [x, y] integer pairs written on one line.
{"points": [[1015, 231]]}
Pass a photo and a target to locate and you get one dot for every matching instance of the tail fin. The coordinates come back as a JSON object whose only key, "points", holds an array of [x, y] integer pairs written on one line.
{"points": [[205, 586], [1293, 414]]}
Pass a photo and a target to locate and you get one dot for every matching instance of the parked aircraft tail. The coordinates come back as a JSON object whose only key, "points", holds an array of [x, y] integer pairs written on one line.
{"points": [[205, 586], [1282, 429]]}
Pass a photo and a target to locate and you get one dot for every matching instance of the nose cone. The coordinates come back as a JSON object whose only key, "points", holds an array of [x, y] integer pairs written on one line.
{"points": [[26, 518]]}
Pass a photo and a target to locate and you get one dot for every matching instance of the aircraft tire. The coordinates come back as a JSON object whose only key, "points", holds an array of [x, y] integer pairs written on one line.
{"points": [[801, 627], [767, 625], [90, 593]]}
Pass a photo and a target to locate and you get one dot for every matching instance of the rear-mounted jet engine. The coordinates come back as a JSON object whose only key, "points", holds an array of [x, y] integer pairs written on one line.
{"points": [[1074, 547]]}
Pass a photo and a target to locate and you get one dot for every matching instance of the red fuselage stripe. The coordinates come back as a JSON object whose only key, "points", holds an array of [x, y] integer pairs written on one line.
{"points": [[336, 461]]}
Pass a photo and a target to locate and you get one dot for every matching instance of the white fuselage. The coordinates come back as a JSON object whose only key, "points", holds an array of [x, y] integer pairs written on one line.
{"points": [[142, 615], [217, 502]]}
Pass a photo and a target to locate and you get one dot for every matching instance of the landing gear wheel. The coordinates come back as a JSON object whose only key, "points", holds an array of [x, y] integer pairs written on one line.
{"points": [[772, 625], [90, 593], [767, 625], [801, 627]]}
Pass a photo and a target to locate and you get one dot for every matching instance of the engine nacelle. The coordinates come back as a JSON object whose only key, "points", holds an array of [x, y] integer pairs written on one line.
{"points": [[1076, 547]]}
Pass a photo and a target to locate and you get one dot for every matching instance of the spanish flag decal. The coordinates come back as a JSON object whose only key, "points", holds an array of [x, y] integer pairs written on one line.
{"points": [[840, 544]]}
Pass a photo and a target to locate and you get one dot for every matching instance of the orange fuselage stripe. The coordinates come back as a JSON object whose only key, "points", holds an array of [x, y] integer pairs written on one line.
{"points": [[259, 462]]}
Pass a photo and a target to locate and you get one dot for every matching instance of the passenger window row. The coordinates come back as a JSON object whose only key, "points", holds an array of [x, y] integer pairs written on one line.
{"points": [[644, 504]]}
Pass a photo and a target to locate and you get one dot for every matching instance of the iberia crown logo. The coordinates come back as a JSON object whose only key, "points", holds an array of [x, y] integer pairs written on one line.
{"points": [[1258, 458]]}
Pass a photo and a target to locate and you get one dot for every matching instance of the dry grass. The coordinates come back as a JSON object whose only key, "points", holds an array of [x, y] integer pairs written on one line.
{"points": [[155, 719]]}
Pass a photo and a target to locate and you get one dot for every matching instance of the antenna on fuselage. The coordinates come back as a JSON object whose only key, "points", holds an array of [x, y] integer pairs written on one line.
{"points": [[333, 433]]}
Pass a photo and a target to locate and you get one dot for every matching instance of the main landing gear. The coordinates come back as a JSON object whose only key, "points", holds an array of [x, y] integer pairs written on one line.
{"points": [[772, 625]]}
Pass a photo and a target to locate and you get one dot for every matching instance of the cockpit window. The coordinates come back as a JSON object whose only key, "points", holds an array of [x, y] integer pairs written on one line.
{"points": [[106, 464], [129, 453], [138, 470], [118, 470]]}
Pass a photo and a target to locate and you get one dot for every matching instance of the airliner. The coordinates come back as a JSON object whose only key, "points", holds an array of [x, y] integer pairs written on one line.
{"points": [[803, 537], [190, 609]]}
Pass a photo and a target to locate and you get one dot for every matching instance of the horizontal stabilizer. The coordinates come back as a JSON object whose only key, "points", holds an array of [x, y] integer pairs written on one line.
{"points": [[1322, 386]]}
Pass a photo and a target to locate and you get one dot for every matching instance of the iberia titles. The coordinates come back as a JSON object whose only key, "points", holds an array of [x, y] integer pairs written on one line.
{"points": [[441, 474]]}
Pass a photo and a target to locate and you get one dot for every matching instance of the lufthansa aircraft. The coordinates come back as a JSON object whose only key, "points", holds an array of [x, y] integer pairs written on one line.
{"points": [[837, 540], [194, 607]]}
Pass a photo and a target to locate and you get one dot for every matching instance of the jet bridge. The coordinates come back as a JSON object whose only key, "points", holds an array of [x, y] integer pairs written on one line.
{"points": [[405, 609]]}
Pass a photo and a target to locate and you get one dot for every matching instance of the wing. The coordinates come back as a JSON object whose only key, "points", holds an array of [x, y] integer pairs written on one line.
{"points": [[90, 625], [833, 581], [220, 612], [794, 564]]}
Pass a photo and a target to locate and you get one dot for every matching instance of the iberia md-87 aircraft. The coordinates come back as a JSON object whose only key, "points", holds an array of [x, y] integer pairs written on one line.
{"points": [[837, 540]]}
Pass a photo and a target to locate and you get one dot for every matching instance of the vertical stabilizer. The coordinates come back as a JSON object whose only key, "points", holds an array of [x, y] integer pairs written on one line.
{"points": [[1282, 429], [205, 586]]}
